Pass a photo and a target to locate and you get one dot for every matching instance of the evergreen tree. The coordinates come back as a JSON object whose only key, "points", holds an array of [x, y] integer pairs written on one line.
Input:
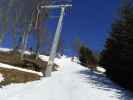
{"points": [[86, 57], [117, 57]]}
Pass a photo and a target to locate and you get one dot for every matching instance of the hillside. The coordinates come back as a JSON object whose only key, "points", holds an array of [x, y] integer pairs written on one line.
{"points": [[71, 82]]}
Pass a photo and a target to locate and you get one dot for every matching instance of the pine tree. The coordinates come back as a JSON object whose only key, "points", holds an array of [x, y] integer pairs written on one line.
{"points": [[86, 57], [117, 57]]}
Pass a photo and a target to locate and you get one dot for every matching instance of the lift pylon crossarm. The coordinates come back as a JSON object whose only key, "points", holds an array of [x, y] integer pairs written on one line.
{"points": [[56, 6]]}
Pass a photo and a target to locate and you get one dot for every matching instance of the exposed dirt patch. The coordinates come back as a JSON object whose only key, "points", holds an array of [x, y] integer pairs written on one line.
{"points": [[29, 62], [16, 76]]}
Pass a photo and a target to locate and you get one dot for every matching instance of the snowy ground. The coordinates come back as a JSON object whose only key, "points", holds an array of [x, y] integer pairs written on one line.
{"points": [[73, 82], [20, 69]]}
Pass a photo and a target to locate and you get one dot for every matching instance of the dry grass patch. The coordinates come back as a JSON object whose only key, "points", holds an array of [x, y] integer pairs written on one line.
{"points": [[16, 76], [29, 62]]}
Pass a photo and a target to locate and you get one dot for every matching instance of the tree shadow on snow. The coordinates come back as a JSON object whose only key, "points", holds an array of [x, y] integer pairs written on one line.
{"points": [[100, 81]]}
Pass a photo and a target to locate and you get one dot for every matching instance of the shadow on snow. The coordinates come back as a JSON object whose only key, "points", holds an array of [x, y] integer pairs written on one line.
{"points": [[100, 81]]}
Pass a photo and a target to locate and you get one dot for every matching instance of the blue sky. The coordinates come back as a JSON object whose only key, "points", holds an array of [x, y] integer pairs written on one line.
{"points": [[89, 20]]}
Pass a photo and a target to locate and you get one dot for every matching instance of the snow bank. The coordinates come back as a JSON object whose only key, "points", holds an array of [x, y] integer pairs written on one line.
{"points": [[56, 61], [5, 49], [43, 57], [20, 69], [100, 69], [9, 49]]}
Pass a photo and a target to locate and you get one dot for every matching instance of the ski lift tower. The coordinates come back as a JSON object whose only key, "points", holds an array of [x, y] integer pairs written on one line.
{"points": [[49, 67]]}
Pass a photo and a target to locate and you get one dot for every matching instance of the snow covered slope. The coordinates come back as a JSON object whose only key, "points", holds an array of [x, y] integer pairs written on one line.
{"points": [[73, 82]]}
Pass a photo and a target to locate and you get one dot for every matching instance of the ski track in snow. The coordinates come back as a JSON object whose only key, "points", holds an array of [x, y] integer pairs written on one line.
{"points": [[73, 82]]}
